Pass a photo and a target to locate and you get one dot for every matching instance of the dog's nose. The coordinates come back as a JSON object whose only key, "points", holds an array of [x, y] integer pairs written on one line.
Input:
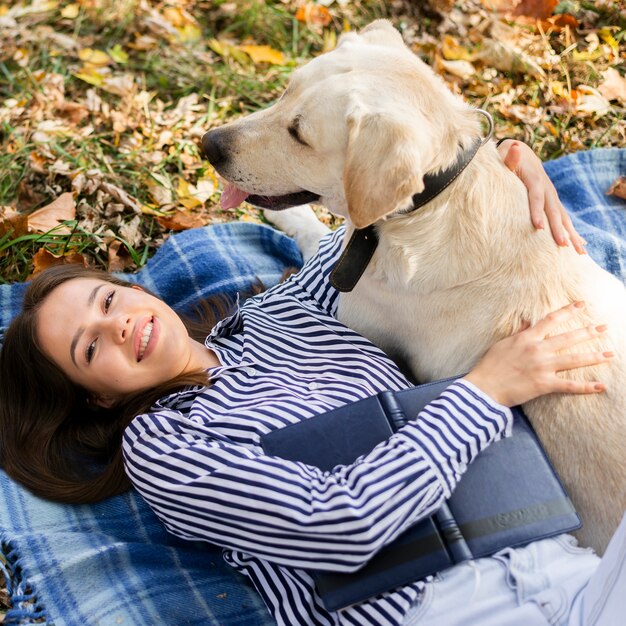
{"points": [[212, 146]]}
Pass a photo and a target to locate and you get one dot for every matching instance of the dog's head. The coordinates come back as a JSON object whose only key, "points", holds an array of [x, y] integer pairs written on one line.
{"points": [[357, 128]]}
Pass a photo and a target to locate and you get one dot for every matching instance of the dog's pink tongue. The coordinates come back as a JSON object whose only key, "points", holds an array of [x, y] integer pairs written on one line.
{"points": [[232, 196]]}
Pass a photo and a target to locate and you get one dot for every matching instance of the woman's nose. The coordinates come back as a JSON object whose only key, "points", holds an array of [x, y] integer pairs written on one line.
{"points": [[120, 327]]}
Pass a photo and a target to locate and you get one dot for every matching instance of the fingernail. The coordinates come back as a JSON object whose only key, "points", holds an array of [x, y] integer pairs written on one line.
{"points": [[580, 304], [608, 354], [539, 224], [599, 387], [601, 328]]}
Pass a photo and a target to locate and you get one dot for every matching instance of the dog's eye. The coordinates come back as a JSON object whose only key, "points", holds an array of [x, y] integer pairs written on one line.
{"points": [[294, 131]]}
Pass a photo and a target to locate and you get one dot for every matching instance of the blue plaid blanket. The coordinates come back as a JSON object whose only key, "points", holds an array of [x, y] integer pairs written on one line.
{"points": [[113, 563]]}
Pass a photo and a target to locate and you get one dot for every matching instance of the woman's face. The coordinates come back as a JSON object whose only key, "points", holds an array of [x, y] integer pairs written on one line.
{"points": [[113, 340]]}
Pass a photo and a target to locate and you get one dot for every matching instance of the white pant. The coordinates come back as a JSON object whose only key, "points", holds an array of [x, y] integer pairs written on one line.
{"points": [[551, 581]]}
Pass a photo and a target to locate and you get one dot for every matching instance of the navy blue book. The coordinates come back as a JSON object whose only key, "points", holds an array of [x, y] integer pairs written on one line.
{"points": [[509, 496]]}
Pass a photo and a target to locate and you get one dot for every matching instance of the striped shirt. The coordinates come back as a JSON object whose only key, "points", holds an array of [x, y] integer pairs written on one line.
{"points": [[197, 461]]}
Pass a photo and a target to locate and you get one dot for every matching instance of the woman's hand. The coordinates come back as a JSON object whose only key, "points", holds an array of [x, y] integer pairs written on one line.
{"points": [[525, 365], [542, 195]]}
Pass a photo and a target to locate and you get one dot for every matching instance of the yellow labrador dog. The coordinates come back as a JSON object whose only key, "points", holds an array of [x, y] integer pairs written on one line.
{"points": [[360, 129]]}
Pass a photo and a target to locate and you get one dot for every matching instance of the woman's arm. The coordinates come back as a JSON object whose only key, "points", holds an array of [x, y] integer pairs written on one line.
{"points": [[207, 487], [542, 196]]}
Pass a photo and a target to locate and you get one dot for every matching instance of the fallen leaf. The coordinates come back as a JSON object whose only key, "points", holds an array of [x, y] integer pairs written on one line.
{"points": [[118, 54], [541, 9], [313, 15], [27, 197], [89, 75], [506, 58], [186, 196], [452, 50], [462, 69], [614, 85], [121, 196], [524, 113], [226, 50], [43, 259], [264, 54], [118, 85], [74, 112], [591, 102], [160, 188], [48, 217], [618, 188], [607, 37], [181, 220], [94, 57], [118, 257], [71, 11], [11, 221], [185, 24], [38, 162]]}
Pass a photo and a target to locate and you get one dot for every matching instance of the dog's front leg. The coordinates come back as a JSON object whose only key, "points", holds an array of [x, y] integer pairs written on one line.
{"points": [[302, 224]]}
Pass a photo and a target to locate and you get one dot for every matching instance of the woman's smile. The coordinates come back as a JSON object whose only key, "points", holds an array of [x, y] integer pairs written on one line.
{"points": [[146, 337]]}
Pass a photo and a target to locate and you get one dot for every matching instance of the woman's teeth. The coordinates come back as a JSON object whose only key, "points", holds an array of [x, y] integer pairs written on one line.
{"points": [[145, 338]]}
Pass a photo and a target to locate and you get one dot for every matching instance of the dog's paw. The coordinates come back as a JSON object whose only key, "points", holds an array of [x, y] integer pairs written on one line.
{"points": [[302, 224]]}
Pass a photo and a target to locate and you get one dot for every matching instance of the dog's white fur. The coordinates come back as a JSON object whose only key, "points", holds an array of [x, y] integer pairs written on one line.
{"points": [[449, 280]]}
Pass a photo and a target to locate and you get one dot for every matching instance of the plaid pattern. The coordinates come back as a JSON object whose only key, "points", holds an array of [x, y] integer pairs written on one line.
{"points": [[113, 563]]}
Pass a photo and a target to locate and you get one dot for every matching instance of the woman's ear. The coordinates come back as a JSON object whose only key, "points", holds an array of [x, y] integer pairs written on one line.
{"points": [[383, 167], [101, 401], [138, 287]]}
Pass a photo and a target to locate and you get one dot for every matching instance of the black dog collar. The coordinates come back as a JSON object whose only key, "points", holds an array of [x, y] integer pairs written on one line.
{"points": [[362, 245]]}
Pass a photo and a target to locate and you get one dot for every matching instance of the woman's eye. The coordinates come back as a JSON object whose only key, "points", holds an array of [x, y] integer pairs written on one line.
{"points": [[108, 300], [90, 350]]}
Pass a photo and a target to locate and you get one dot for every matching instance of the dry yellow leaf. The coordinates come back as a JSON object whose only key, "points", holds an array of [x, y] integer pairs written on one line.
{"points": [[264, 54], [226, 50], [607, 37], [587, 55], [48, 217], [71, 11], [94, 57], [89, 75], [186, 25], [175, 16], [452, 50], [189, 33]]}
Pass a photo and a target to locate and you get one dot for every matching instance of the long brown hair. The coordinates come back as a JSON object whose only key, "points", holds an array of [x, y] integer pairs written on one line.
{"points": [[52, 440]]}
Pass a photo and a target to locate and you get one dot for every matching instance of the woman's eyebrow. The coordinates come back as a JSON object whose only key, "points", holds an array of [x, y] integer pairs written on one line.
{"points": [[81, 330]]}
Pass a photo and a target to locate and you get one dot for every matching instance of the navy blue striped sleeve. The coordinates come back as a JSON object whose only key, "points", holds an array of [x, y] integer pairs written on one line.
{"points": [[213, 489]]}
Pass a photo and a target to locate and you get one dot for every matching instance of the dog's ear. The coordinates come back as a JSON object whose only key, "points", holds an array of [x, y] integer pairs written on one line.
{"points": [[382, 32], [383, 167]]}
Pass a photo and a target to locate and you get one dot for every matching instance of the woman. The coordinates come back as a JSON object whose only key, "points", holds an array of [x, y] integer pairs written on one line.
{"points": [[193, 450]]}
